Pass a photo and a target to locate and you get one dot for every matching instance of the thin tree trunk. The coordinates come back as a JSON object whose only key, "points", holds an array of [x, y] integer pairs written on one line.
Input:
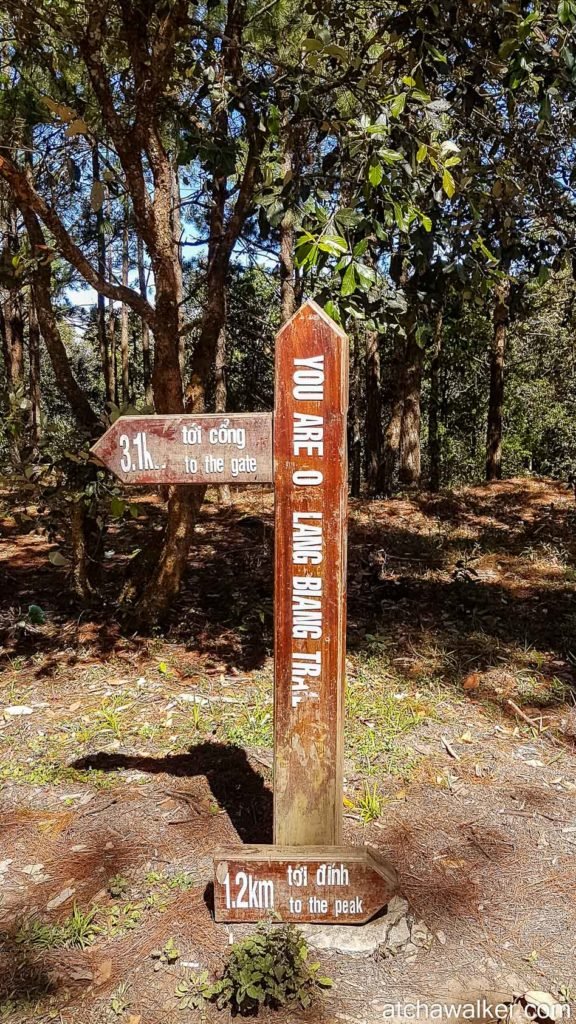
{"points": [[124, 335], [434, 446], [112, 382], [220, 399], [355, 428], [100, 300], [146, 360], [41, 283], [410, 456], [87, 543], [34, 373], [389, 466], [496, 398], [373, 422], [177, 233]]}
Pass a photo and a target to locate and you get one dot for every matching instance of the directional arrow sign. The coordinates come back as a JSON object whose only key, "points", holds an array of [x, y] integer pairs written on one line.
{"points": [[214, 449], [321, 884]]}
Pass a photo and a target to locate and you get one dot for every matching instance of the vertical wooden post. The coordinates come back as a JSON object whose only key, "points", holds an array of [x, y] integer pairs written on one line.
{"points": [[310, 467]]}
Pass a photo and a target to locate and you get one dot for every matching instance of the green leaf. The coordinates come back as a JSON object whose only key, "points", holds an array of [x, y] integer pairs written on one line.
{"points": [[333, 244], [398, 104], [347, 217], [375, 172], [448, 184], [333, 312], [333, 50], [117, 507], [422, 153], [436, 53], [452, 161], [507, 48], [360, 247], [312, 44], [390, 156], [348, 286], [426, 222], [366, 275]]}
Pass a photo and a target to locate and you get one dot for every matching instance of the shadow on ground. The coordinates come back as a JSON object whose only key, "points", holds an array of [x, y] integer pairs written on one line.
{"points": [[237, 788], [416, 571]]}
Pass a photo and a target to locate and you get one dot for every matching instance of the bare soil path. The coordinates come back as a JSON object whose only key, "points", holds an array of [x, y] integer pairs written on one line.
{"points": [[125, 759]]}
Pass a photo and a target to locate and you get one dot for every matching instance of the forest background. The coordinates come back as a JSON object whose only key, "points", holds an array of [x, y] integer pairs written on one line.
{"points": [[176, 177]]}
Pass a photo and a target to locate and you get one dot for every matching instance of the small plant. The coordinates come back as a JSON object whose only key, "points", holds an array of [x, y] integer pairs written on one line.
{"points": [[194, 991], [168, 955], [269, 968], [370, 804], [76, 932], [118, 886], [80, 929], [119, 1001]]}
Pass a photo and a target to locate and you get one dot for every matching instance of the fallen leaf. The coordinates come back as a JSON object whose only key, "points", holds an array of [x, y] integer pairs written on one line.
{"points": [[61, 898], [102, 972], [472, 681], [449, 749], [466, 737]]}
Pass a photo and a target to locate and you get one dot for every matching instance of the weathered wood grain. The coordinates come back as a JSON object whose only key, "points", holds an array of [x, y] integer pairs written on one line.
{"points": [[310, 474], [322, 884], [233, 448]]}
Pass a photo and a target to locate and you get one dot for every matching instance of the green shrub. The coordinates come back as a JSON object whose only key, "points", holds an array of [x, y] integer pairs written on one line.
{"points": [[269, 968]]}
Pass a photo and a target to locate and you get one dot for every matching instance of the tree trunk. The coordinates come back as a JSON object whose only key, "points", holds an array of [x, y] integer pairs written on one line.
{"points": [[434, 446], [101, 301], [355, 437], [496, 398], [34, 373], [390, 463], [410, 458], [87, 542], [146, 361], [124, 335], [373, 422], [176, 220], [220, 399], [112, 381], [41, 283]]}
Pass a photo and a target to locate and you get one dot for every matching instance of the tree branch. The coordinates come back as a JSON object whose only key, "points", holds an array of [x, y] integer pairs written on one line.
{"points": [[28, 199]]}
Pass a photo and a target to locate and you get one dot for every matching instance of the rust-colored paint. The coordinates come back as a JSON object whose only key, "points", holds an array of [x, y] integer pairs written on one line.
{"points": [[310, 474], [322, 884], [233, 448]]}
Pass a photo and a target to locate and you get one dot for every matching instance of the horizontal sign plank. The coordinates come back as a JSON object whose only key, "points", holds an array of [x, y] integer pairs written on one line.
{"points": [[207, 449], [322, 884]]}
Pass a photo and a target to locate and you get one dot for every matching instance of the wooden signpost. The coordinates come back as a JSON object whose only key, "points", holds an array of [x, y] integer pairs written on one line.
{"points": [[307, 875], [310, 477]]}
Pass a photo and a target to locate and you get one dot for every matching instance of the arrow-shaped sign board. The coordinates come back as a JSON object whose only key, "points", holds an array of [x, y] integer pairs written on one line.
{"points": [[235, 448], [320, 884]]}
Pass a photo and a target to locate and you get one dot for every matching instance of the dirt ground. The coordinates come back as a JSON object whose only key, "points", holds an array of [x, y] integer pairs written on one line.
{"points": [[126, 759]]}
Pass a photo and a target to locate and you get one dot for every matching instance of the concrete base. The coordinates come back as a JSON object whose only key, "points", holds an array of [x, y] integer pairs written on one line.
{"points": [[394, 932]]}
